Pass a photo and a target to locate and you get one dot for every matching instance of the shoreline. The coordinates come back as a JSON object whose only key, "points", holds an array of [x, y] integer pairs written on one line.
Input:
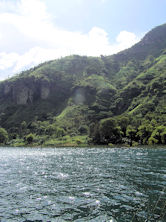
{"points": [[117, 146]]}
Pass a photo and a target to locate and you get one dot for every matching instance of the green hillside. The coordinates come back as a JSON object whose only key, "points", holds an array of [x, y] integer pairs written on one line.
{"points": [[79, 100]]}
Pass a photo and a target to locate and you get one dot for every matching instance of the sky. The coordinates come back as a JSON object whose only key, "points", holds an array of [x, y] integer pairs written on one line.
{"points": [[35, 31]]}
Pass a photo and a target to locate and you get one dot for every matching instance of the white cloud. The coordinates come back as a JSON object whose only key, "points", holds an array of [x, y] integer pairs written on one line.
{"points": [[7, 60], [29, 37], [126, 37]]}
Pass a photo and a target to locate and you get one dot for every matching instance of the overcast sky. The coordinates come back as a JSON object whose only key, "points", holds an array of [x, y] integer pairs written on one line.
{"points": [[34, 31]]}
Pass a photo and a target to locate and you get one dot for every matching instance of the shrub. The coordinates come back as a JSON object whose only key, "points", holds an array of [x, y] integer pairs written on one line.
{"points": [[83, 129], [109, 131], [3, 135], [158, 136], [30, 138]]}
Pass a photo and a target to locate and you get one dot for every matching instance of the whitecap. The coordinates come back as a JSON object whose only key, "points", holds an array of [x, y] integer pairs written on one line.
{"points": [[87, 194], [71, 198], [97, 202], [62, 175]]}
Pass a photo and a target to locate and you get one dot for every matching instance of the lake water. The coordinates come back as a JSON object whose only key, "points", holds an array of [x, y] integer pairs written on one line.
{"points": [[82, 184]]}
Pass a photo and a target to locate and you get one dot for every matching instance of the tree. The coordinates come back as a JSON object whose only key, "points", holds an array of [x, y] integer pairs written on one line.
{"points": [[158, 136], [51, 129], [3, 135], [131, 134], [60, 132], [94, 133], [123, 122], [23, 128], [144, 132], [83, 129], [30, 138], [109, 131]]}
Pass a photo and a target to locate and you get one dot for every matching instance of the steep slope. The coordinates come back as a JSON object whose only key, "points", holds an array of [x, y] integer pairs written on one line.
{"points": [[77, 99], [48, 87], [152, 44], [130, 62]]}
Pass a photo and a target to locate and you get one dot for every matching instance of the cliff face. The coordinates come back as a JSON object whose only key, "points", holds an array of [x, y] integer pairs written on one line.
{"points": [[18, 92], [28, 91]]}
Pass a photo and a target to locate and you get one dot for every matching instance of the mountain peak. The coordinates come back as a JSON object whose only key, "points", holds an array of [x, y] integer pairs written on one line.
{"points": [[151, 44], [157, 34]]}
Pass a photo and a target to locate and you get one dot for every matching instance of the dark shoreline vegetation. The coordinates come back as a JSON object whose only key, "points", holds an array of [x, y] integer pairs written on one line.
{"points": [[85, 146], [85, 101]]}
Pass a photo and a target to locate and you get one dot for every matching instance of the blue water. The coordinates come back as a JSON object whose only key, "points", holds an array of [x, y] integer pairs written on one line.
{"points": [[82, 184]]}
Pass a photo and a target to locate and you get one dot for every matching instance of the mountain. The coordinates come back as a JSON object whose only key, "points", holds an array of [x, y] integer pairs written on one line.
{"points": [[80, 100]]}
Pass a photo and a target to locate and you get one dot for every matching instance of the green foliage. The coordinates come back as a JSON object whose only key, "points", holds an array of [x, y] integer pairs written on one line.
{"points": [[3, 135], [98, 82], [106, 132], [123, 122], [152, 141], [158, 136], [30, 138], [67, 141], [144, 132], [131, 133], [83, 129], [109, 131]]}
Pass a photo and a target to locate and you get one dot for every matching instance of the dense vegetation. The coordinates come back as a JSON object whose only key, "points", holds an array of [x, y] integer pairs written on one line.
{"points": [[119, 99]]}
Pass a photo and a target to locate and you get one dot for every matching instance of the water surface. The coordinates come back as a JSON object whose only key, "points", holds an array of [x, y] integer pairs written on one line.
{"points": [[83, 184]]}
